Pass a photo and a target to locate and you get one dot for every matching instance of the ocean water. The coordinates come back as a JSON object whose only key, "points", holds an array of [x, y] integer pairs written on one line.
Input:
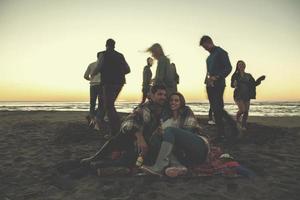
{"points": [[199, 108]]}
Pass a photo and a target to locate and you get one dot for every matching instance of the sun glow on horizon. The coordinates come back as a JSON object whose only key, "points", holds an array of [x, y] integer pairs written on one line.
{"points": [[47, 45]]}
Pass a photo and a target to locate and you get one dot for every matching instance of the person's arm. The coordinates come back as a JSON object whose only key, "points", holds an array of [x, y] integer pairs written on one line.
{"points": [[125, 65], [87, 73], [233, 80], [259, 80], [226, 65], [191, 122], [99, 66]]}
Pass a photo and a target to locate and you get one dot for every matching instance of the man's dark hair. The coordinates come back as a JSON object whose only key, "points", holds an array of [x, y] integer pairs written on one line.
{"points": [[205, 39], [98, 55], [148, 60], [155, 88], [110, 43]]}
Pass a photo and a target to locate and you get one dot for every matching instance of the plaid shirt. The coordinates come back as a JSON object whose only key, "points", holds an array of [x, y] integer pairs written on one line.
{"points": [[187, 120], [142, 119]]}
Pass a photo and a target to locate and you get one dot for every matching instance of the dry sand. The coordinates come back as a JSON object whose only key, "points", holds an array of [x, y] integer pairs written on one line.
{"points": [[32, 144]]}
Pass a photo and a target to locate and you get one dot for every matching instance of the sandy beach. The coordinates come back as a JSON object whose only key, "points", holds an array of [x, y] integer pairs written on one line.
{"points": [[33, 144]]}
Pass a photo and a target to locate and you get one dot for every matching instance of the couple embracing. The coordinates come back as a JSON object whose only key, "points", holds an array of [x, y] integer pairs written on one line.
{"points": [[165, 132]]}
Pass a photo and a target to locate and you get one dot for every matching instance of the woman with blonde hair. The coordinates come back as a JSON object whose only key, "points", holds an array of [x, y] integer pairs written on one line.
{"points": [[165, 75]]}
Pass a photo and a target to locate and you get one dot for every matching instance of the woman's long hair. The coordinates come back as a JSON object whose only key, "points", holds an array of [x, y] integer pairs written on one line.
{"points": [[181, 99], [156, 50], [237, 71]]}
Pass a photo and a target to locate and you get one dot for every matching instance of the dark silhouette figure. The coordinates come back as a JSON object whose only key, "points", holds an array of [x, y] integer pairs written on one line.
{"points": [[147, 77], [218, 68], [113, 68]]}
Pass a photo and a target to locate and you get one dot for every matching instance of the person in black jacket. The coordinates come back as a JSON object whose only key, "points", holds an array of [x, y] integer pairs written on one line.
{"points": [[113, 68], [147, 78], [244, 89]]}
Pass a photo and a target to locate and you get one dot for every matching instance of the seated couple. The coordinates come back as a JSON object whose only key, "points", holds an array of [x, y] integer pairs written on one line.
{"points": [[167, 135]]}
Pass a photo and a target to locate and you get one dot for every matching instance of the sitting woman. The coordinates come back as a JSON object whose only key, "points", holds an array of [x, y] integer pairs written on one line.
{"points": [[182, 140]]}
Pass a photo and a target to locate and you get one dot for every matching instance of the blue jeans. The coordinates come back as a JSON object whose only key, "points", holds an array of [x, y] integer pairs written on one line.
{"points": [[189, 148]]}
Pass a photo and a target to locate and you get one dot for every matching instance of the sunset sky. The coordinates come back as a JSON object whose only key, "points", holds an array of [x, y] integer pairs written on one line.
{"points": [[46, 46]]}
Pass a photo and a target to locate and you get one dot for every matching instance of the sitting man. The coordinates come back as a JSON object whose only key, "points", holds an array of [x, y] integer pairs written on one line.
{"points": [[137, 132]]}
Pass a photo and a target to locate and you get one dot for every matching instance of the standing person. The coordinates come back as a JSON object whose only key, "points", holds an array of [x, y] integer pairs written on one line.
{"points": [[147, 77], [245, 89], [173, 67], [164, 74], [218, 68], [113, 68], [95, 90]]}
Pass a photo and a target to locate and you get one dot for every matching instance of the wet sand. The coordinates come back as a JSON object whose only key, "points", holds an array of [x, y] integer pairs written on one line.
{"points": [[32, 144]]}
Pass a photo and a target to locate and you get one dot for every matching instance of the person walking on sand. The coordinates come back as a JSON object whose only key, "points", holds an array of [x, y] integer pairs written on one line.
{"points": [[244, 89], [95, 91], [164, 75], [147, 77], [218, 68], [113, 68]]}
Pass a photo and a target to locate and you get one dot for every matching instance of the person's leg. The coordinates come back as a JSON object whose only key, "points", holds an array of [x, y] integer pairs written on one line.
{"points": [[99, 93], [210, 117], [215, 100], [240, 111], [193, 146], [246, 113], [101, 110], [224, 114], [145, 95], [93, 97], [154, 145], [211, 120], [111, 92]]}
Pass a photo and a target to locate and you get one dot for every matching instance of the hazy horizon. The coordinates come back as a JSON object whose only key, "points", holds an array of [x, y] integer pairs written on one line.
{"points": [[46, 46]]}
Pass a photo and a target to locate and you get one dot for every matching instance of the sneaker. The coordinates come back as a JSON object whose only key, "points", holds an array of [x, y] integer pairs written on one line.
{"points": [[96, 127], [211, 122], [149, 170], [176, 171]]}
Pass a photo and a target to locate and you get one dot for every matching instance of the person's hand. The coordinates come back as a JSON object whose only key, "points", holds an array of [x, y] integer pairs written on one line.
{"points": [[262, 77], [159, 130], [213, 78], [142, 145], [210, 82]]}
